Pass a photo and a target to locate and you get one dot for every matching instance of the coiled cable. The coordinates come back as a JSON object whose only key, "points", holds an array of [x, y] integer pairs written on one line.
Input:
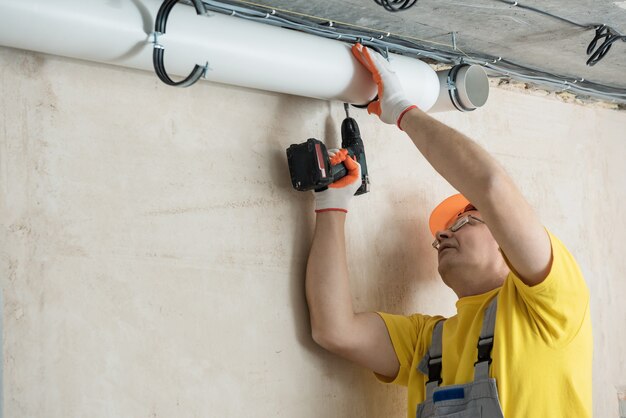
{"points": [[159, 51], [396, 5], [610, 36], [602, 31]]}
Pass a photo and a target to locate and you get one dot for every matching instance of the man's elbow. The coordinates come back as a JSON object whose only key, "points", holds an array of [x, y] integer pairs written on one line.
{"points": [[496, 186], [321, 339], [330, 340]]}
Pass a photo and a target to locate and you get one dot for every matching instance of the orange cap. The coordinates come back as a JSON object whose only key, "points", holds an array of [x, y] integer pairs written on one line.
{"points": [[445, 211]]}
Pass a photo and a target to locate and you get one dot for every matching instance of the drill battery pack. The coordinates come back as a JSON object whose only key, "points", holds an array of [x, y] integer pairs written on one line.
{"points": [[309, 166]]}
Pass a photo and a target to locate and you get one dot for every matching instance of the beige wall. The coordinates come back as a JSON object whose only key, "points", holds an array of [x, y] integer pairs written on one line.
{"points": [[152, 252]]}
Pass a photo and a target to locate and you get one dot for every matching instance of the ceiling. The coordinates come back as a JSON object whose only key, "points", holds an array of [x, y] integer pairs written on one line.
{"points": [[491, 27]]}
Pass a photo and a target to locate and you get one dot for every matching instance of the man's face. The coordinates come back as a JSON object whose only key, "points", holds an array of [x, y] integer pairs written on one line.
{"points": [[470, 250]]}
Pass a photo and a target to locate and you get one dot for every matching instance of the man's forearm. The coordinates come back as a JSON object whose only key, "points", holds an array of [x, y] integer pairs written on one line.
{"points": [[462, 162], [327, 285], [478, 176]]}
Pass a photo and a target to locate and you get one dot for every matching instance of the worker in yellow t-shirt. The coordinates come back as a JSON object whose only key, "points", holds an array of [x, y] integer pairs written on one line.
{"points": [[520, 344]]}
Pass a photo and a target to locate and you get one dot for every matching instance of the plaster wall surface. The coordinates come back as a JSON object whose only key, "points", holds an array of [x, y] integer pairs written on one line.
{"points": [[152, 250]]}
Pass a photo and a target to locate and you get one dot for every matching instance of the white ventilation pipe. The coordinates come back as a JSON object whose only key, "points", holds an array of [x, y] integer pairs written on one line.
{"points": [[239, 52]]}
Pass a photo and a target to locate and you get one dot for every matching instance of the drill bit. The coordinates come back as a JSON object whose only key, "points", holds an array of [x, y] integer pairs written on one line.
{"points": [[346, 106]]}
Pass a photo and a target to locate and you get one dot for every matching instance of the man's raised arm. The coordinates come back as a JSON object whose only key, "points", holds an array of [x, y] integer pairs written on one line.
{"points": [[362, 337], [468, 168]]}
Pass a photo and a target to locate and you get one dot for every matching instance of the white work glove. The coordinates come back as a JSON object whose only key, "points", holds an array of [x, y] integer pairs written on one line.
{"points": [[338, 195], [392, 103]]}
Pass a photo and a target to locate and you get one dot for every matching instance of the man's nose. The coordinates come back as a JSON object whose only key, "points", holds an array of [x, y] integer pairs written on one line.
{"points": [[441, 235]]}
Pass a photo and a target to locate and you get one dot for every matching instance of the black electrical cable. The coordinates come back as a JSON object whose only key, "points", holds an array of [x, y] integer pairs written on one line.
{"points": [[159, 51], [543, 12], [396, 5], [602, 31], [610, 36]]}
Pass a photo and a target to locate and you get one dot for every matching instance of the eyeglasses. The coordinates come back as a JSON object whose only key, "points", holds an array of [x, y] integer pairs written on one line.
{"points": [[458, 224]]}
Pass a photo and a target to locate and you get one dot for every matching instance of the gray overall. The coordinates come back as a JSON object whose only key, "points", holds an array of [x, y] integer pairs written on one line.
{"points": [[476, 399]]}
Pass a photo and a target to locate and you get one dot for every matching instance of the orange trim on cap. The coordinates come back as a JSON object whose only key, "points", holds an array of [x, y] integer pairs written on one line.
{"points": [[445, 211]]}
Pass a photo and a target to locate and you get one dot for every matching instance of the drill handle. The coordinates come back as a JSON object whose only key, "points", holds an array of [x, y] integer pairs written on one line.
{"points": [[338, 171]]}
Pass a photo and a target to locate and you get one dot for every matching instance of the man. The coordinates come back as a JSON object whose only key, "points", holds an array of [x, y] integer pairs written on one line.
{"points": [[522, 298]]}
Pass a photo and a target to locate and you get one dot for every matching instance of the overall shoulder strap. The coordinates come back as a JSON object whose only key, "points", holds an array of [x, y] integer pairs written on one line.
{"points": [[485, 341], [431, 363]]}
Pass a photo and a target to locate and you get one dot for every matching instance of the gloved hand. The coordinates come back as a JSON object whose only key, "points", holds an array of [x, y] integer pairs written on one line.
{"points": [[392, 103], [338, 195]]}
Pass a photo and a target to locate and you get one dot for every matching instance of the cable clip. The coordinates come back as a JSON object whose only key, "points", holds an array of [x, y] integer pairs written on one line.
{"points": [[206, 69], [155, 39], [492, 62]]}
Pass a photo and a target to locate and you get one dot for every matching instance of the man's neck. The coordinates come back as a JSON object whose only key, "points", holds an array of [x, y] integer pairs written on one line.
{"points": [[474, 284]]}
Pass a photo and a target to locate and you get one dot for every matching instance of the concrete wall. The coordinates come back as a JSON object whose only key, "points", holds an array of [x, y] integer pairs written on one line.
{"points": [[152, 253]]}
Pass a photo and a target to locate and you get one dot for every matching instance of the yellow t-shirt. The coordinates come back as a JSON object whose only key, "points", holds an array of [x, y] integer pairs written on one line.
{"points": [[542, 349]]}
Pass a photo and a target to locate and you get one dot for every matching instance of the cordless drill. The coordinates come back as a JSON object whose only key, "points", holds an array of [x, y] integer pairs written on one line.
{"points": [[309, 163]]}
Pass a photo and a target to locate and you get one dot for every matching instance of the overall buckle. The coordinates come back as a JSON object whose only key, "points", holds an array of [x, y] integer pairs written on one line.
{"points": [[484, 350], [434, 370]]}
